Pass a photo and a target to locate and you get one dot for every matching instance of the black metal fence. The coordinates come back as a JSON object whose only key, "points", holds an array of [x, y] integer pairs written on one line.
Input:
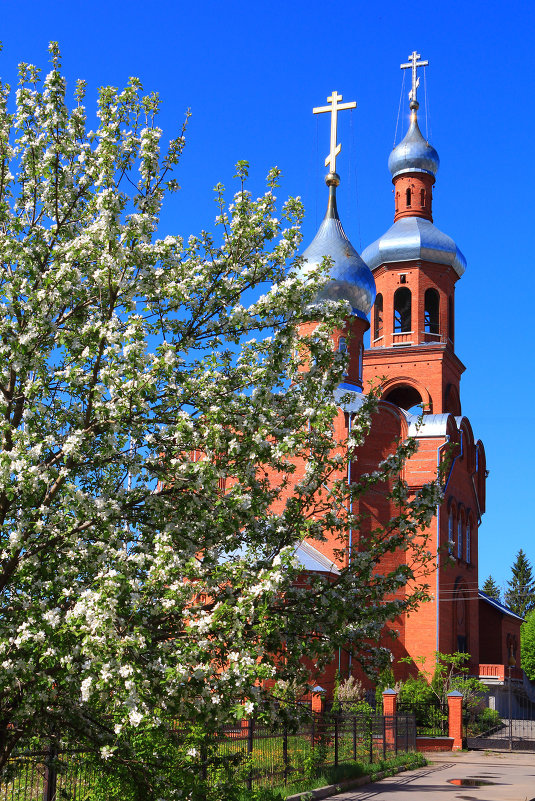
{"points": [[285, 754], [431, 719], [267, 755], [48, 775], [510, 728]]}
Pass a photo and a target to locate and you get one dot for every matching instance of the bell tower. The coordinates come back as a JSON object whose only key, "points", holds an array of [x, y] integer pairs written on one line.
{"points": [[415, 267]]}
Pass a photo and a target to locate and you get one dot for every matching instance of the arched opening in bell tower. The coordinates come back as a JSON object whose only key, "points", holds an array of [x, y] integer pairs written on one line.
{"points": [[451, 320], [378, 317], [406, 397], [431, 311], [402, 310]]}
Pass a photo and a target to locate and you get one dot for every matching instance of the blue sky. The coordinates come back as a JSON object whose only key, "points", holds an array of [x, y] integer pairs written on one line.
{"points": [[251, 74]]}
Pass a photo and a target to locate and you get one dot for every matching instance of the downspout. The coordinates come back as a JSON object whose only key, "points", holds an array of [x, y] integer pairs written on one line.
{"points": [[437, 581]]}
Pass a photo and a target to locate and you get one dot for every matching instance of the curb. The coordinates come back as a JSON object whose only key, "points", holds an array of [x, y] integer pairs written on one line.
{"points": [[340, 787]]}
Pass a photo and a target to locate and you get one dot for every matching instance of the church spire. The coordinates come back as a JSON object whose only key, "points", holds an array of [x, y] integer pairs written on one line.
{"points": [[350, 277], [414, 162]]}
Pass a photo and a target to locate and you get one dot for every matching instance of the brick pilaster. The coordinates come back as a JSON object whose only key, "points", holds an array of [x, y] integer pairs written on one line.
{"points": [[390, 700], [455, 719]]}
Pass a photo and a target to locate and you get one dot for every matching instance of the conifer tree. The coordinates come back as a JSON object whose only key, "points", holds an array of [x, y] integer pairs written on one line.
{"points": [[527, 641], [491, 589], [520, 594]]}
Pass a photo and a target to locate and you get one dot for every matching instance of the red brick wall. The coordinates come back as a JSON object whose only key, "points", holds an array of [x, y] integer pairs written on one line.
{"points": [[495, 626], [416, 182]]}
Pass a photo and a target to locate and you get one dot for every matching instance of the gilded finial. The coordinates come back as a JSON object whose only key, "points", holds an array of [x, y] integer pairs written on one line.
{"points": [[332, 179], [414, 64]]}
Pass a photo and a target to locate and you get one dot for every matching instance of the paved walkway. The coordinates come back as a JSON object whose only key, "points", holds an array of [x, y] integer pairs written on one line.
{"points": [[513, 777]]}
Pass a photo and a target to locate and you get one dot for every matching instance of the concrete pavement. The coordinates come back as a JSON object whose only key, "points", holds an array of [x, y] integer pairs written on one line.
{"points": [[512, 774]]}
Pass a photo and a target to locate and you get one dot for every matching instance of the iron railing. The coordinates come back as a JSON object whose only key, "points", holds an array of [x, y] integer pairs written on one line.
{"points": [[262, 754]]}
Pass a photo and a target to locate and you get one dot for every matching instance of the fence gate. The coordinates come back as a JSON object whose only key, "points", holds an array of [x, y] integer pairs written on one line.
{"points": [[515, 732]]}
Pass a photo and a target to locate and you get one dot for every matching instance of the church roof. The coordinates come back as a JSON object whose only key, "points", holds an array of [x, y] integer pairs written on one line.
{"points": [[414, 238], [349, 397], [430, 425], [498, 605], [311, 559], [414, 153], [349, 277]]}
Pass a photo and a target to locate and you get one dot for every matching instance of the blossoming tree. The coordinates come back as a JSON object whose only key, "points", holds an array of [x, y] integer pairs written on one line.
{"points": [[150, 416]]}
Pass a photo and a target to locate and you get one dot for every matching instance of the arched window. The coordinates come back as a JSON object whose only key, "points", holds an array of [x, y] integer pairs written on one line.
{"points": [[450, 319], [342, 345], [378, 317], [422, 198], [450, 531], [397, 201], [408, 194], [468, 544], [431, 311], [459, 538], [402, 310], [361, 358]]}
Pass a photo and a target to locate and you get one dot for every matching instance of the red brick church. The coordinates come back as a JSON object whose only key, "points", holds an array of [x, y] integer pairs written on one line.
{"points": [[411, 271]]}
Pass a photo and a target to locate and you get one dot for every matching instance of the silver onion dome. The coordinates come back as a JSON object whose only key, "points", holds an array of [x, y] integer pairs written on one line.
{"points": [[350, 278], [414, 153], [414, 238]]}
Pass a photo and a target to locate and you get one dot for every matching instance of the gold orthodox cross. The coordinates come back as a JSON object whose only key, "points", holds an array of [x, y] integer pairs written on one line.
{"points": [[334, 108], [414, 64]]}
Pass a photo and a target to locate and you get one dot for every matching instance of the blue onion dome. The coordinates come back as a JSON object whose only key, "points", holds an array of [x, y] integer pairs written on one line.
{"points": [[414, 238], [414, 153], [350, 278]]}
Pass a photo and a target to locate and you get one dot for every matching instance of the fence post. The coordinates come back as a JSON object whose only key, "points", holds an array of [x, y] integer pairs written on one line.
{"points": [[369, 721], [455, 719], [390, 699], [250, 742], [354, 738], [50, 777], [336, 740], [285, 752], [204, 760], [318, 700]]}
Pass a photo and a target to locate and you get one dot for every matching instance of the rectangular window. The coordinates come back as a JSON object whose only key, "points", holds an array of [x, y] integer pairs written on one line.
{"points": [[459, 539], [450, 533]]}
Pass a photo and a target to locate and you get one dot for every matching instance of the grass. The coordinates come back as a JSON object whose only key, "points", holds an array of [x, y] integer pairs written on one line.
{"points": [[334, 775]]}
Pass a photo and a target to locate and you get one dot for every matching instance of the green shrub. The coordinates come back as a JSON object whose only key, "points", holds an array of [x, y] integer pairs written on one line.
{"points": [[486, 720]]}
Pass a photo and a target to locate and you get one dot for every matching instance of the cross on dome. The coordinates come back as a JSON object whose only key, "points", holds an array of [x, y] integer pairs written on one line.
{"points": [[334, 107], [414, 64]]}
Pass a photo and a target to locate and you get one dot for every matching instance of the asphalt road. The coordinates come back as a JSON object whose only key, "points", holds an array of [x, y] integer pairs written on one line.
{"points": [[512, 776]]}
